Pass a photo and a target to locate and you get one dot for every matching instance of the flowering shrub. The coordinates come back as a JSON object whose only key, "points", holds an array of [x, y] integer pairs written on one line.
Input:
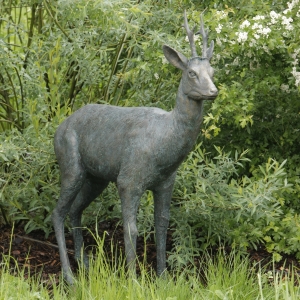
{"points": [[258, 76], [258, 107]]}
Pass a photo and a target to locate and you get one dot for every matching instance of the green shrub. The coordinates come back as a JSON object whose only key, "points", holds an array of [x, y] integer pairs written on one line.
{"points": [[29, 186], [212, 204]]}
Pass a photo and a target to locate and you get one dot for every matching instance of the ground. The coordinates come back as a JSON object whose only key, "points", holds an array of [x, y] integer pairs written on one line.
{"points": [[40, 255]]}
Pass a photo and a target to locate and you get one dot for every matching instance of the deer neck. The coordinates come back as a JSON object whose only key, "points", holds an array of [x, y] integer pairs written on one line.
{"points": [[187, 114]]}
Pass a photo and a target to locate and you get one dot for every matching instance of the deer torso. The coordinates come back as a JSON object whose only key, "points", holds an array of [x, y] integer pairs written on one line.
{"points": [[147, 143]]}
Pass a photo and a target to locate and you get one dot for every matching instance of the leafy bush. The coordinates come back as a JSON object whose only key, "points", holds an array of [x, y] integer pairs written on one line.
{"points": [[29, 186], [213, 204]]}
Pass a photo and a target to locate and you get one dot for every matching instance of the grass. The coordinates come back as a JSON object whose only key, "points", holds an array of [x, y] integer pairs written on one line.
{"points": [[222, 276], [14, 286]]}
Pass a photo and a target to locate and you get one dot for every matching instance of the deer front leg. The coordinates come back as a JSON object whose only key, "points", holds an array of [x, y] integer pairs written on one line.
{"points": [[162, 201], [130, 198]]}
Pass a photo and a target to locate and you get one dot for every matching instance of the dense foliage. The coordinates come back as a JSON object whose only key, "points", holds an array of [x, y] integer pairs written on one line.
{"points": [[242, 190]]}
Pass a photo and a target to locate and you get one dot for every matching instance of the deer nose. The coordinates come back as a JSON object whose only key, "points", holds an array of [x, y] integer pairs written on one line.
{"points": [[213, 91]]}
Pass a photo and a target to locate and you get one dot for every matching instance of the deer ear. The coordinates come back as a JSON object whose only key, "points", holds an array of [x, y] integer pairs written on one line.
{"points": [[210, 50], [175, 58]]}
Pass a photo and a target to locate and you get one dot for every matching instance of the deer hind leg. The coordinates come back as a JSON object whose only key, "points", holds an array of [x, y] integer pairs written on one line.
{"points": [[162, 201], [89, 191], [71, 182], [130, 199]]}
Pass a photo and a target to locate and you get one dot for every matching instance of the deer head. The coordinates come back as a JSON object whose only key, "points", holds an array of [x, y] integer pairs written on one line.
{"points": [[197, 77]]}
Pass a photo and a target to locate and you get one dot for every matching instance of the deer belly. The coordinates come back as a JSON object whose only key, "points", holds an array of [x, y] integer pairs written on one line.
{"points": [[102, 167]]}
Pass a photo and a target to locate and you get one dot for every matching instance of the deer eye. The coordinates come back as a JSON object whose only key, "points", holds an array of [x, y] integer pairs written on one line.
{"points": [[192, 74]]}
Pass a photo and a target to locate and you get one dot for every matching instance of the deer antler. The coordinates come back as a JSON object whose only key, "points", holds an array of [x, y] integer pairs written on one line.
{"points": [[204, 34], [190, 35]]}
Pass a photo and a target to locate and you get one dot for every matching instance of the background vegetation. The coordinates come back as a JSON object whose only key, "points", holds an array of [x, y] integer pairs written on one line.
{"points": [[241, 183]]}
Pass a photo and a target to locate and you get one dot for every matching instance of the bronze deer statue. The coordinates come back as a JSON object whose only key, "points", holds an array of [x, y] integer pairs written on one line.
{"points": [[138, 148]]}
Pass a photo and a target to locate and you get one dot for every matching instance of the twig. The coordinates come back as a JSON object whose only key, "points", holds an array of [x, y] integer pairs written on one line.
{"points": [[42, 242], [48, 9]]}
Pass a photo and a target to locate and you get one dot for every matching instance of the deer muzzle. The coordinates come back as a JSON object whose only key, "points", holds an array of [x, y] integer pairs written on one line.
{"points": [[212, 93]]}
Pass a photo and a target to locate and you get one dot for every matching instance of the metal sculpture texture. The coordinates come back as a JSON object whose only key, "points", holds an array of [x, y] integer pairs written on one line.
{"points": [[138, 148]]}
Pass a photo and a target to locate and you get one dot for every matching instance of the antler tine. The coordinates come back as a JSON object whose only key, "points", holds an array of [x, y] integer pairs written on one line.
{"points": [[190, 35], [204, 34]]}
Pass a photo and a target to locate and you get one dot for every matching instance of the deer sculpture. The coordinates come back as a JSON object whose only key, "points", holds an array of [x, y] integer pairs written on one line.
{"points": [[138, 148]]}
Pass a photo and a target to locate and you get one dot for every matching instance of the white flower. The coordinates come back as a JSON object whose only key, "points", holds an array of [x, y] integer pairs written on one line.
{"points": [[258, 17], [251, 66], [156, 76], [264, 31], [285, 88], [295, 54], [242, 36], [252, 42], [274, 15], [266, 49], [226, 69], [221, 14], [296, 75], [246, 23], [291, 5], [287, 22], [218, 41], [196, 38], [257, 36], [219, 28], [236, 61], [256, 25]]}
